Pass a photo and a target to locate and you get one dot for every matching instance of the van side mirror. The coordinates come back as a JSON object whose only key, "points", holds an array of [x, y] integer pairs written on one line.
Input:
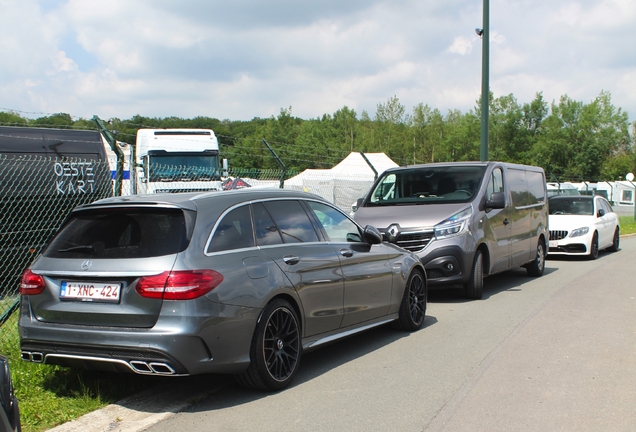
{"points": [[497, 201], [600, 213], [372, 235]]}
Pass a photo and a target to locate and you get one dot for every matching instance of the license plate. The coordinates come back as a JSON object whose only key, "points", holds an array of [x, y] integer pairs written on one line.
{"points": [[554, 243], [90, 291]]}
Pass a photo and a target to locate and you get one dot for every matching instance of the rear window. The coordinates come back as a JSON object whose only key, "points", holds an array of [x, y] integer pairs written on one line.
{"points": [[120, 233]]}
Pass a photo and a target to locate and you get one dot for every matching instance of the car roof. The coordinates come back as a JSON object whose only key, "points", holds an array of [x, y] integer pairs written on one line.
{"points": [[191, 200]]}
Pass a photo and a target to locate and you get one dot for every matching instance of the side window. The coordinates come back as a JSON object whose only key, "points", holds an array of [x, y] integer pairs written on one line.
{"points": [[518, 187], [264, 227], [385, 189], [536, 186], [495, 184], [292, 221], [233, 232], [338, 227]]}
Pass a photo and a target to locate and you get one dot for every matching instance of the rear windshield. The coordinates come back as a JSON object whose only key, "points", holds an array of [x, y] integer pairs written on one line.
{"points": [[427, 185], [571, 206], [120, 233]]}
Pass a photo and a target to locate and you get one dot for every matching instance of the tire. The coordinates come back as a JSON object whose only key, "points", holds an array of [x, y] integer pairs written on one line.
{"points": [[594, 247], [276, 349], [536, 267], [413, 307], [475, 286], [616, 241]]}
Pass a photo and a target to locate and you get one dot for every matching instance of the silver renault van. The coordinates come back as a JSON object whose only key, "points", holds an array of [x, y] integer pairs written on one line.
{"points": [[464, 220]]}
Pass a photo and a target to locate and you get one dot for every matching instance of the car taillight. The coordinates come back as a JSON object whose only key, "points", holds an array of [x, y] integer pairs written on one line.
{"points": [[179, 284], [31, 284]]}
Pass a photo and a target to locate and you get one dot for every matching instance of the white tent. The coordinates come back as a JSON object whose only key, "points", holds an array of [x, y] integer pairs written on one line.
{"points": [[343, 184]]}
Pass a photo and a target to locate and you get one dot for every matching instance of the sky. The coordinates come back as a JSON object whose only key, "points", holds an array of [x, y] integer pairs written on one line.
{"points": [[242, 59]]}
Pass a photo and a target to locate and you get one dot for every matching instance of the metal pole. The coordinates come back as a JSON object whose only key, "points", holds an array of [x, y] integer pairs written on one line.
{"points": [[485, 90]]}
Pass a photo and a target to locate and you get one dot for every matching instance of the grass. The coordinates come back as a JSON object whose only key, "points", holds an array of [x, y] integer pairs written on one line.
{"points": [[52, 395], [628, 225]]}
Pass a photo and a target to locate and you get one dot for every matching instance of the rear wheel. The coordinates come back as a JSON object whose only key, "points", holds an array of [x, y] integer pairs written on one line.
{"points": [[413, 306], [536, 267], [276, 349], [475, 286], [616, 241], [594, 247]]}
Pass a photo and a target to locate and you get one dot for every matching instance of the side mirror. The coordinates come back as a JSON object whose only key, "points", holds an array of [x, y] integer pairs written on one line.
{"points": [[372, 235], [600, 213], [497, 201]]}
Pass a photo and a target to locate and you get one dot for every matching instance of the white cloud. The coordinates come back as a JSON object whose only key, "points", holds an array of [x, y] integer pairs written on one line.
{"points": [[245, 58]]}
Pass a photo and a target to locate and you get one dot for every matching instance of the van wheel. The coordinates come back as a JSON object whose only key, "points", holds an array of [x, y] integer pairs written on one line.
{"points": [[276, 349], [536, 267], [475, 286], [594, 247]]}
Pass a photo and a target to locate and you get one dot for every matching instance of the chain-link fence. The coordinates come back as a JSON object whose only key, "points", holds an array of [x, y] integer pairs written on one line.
{"points": [[38, 193]]}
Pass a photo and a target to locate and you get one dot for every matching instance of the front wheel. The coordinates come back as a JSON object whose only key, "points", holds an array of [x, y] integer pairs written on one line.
{"points": [[475, 286], [413, 306], [276, 349], [536, 267], [594, 247]]}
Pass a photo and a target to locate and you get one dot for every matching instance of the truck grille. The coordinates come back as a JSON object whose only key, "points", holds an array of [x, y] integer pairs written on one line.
{"points": [[558, 235]]}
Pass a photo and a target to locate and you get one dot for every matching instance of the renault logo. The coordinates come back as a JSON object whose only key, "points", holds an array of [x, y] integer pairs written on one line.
{"points": [[87, 264], [392, 232]]}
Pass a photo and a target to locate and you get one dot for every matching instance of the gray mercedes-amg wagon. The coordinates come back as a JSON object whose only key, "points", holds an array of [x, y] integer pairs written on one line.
{"points": [[238, 282]]}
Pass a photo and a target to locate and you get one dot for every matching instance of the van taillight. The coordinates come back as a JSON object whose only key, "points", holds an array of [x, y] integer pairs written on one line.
{"points": [[179, 284], [31, 284]]}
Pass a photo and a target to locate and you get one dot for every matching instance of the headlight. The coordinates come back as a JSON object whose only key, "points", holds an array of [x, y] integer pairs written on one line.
{"points": [[579, 232], [454, 225]]}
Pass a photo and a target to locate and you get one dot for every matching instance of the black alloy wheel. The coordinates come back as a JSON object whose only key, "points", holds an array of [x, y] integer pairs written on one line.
{"points": [[594, 247], [413, 307], [616, 241], [276, 349]]}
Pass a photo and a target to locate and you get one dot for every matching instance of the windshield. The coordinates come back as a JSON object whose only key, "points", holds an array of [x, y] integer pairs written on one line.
{"points": [[571, 206], [428, 185], [184, 167]]}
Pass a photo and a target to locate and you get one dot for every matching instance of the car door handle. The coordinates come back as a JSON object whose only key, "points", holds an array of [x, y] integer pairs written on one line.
{"points": [[291, 260], [346, 252], [506, 221]]}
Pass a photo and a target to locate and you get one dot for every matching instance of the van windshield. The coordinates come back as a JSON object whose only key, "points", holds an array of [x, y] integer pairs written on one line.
{"points": [[428, 185]]}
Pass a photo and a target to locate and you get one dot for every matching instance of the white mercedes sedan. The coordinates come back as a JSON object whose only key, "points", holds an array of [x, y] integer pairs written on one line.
{"points": [[582, 225]]}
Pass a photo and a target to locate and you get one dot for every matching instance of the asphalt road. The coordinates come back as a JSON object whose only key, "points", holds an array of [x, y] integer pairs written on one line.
{"points": [[555, 353]]}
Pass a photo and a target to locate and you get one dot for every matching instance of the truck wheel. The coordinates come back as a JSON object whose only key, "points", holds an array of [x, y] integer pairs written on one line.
{"points": [[536, 267], [475, 286]]}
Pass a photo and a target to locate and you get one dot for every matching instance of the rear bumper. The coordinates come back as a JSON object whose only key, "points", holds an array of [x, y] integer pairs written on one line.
{"points": [[217, 342]]}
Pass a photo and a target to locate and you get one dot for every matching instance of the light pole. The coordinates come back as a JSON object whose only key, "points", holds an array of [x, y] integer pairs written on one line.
{"points": [[485, 90]]}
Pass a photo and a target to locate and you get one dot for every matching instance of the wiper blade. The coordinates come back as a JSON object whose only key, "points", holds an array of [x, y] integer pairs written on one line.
{"points": [[82, 248]]}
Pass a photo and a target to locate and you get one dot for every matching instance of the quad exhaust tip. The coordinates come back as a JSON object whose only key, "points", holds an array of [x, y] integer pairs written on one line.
{"points": [[138, 366], [142, 367], [36, 357]]}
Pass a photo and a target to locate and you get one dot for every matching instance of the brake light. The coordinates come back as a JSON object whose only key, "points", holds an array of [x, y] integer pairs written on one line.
{"points": [[31, 284], [179, 284]]}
